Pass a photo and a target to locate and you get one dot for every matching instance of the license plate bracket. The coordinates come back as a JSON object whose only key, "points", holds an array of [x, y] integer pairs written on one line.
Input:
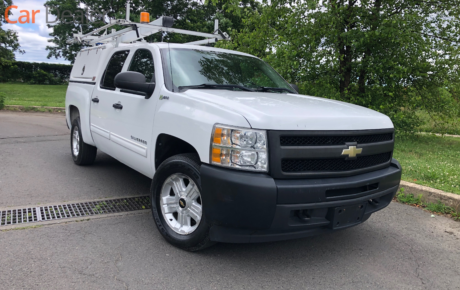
{"points": [[345, 216]]}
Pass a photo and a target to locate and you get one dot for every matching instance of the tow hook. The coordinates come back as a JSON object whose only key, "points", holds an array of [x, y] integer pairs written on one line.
{"points": [[374, 201]]}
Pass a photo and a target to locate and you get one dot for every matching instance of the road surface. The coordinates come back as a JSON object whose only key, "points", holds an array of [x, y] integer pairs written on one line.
{"points": [[401, 247]]}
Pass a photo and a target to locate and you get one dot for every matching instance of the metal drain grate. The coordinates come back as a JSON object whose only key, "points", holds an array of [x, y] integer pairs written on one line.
{"points": [[71, 210]]}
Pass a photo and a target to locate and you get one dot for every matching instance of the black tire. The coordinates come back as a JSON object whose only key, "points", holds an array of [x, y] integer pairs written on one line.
{"points": [[86, 153], [189, 165]]}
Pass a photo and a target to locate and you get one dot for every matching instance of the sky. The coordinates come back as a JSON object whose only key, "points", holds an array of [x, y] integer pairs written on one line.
{"points": [[33, 38]]}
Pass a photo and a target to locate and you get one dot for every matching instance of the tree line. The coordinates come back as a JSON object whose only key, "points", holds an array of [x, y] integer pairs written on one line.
{"points": [[394, 56]]}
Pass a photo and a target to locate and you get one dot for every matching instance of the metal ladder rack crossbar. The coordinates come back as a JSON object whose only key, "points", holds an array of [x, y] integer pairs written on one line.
{"points": [[137, 31]]}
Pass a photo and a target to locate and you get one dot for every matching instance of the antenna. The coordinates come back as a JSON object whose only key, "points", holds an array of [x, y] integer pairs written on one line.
{"points": [[128, 10]]}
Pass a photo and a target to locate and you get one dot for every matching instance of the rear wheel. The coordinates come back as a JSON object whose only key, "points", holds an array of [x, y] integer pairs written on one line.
{"points": [[177, 206], [82, 153]]}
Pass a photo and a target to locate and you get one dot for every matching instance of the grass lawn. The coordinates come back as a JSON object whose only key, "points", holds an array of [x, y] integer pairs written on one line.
{"points": [[33, 95], [430, 160]]}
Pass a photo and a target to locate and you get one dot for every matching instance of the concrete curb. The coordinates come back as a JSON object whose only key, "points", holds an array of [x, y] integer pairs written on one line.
{"points": [[432, 195], [34, 109]]}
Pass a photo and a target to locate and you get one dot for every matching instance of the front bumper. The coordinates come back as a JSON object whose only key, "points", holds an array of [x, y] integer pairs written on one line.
{"points": [[245, 207]]}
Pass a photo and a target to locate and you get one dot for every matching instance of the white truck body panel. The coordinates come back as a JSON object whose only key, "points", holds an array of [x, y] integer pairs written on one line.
{"points": [[275, 111], [192, 120], [81, 85], [79, 96], [130, 134]]}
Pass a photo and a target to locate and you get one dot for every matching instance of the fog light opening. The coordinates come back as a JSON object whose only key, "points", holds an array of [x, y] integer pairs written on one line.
{"points": [[303, 215]]}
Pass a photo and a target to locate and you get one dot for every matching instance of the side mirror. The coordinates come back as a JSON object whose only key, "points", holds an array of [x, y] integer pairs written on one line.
{"points": [[134, 82], [295, 87]]}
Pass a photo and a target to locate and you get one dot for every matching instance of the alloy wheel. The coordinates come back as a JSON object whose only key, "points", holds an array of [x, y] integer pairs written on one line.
{"points": [[181, 204]]}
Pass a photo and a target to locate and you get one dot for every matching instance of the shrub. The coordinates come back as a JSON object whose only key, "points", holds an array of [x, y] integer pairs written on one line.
{"points": [[24, 72], [41, 77]]}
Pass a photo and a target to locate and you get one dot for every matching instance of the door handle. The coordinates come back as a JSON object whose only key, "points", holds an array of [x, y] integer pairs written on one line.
{"points": [[95, 100], [118, 106]]}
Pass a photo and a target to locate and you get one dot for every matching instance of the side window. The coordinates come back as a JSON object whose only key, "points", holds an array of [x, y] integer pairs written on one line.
{"points": [[142, 62], [114, 66]]}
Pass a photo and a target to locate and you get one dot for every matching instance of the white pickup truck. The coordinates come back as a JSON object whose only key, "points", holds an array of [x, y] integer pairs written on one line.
{"points": [[235, 154]]}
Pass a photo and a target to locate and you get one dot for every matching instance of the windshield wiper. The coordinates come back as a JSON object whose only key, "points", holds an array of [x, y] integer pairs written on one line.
{"points": [[214, 86], [267, 89]]}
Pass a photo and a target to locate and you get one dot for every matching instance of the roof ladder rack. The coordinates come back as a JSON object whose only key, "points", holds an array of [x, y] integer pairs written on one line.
{"points": [[135, 31]]}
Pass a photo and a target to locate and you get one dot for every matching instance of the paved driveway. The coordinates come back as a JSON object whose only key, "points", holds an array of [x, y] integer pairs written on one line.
{"points": [[36, 165], [398, 248]]}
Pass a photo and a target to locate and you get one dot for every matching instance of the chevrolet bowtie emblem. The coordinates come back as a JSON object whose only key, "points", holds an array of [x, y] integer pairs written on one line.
{"points": [[352, 151]]}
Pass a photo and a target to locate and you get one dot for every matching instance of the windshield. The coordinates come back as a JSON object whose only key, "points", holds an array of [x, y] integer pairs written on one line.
{"points": [[193, 67]]}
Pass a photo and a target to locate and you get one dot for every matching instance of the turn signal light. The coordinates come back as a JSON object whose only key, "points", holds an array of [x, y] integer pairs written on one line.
{"points": [[216, 155], [222, 136]]}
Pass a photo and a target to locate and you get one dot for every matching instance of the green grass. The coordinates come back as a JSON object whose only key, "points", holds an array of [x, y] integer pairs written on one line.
{"points": [[430, 160], [33, 95], [437, 207], [409, 198]]}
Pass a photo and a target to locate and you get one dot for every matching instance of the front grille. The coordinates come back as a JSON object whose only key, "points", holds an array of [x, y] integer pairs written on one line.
{"points": [[333, 165], [297, 154], [333, 140]]}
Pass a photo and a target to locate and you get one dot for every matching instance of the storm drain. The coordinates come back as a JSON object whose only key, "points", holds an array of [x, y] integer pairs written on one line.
{"points": [[72, 210]]}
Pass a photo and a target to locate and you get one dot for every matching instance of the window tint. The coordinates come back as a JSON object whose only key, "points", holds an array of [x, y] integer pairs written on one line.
{"points": [[114, 66], [142, 62]]}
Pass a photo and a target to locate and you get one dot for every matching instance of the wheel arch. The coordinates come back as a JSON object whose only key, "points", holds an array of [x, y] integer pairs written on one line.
{"points": [[167, 145], [74, 113], [78, 104]]}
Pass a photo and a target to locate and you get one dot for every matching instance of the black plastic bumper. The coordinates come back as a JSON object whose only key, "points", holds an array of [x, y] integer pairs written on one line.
{"points": [[246, 207]]}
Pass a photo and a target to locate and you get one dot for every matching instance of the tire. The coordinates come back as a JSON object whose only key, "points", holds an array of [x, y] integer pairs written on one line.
{"points": [[177, 207], [82, 153]]}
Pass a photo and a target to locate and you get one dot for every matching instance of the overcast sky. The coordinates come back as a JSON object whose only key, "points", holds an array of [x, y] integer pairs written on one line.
{"points": [[32, 37]]}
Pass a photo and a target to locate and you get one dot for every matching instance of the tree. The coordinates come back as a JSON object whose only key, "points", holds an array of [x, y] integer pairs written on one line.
{"points": [[9, 43], [190, 15], [393, 56]]}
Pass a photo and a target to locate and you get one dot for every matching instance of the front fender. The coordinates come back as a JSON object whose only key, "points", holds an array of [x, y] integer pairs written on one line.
{"points": [[192, 121]]}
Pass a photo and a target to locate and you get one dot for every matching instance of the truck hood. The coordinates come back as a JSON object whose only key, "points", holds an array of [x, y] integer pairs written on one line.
{"points": [[274, 111]]}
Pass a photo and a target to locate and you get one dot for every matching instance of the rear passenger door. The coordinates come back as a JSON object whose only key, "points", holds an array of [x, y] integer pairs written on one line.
{"points": [[131, 126], [102, 101]]}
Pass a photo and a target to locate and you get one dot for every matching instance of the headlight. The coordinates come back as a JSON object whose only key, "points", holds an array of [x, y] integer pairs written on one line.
{"points": [[239, 148]]}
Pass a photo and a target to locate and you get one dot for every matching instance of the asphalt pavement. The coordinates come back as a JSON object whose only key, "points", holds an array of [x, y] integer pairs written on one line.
{"points": [[401, 247], [36, 165]]}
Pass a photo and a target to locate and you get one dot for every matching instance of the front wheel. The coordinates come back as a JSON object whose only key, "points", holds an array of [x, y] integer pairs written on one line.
{"points": [[177, 205], [82, 153]]}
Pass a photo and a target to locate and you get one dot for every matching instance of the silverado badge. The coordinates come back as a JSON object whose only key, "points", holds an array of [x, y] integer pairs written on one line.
{"points": [[352, 151]]}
